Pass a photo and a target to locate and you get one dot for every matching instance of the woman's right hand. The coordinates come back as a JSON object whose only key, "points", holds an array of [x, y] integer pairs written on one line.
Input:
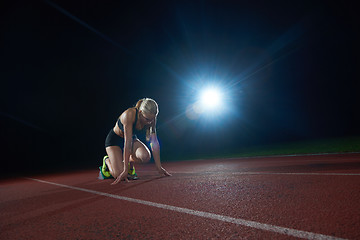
{"points": [[122, 176]]}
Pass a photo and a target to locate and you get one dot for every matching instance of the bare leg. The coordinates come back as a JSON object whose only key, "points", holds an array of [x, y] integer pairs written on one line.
{"points": [[115, 160], [140, 154]]}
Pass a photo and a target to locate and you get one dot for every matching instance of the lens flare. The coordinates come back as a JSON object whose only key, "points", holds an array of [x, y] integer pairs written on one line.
{"points": [[210, 98]]}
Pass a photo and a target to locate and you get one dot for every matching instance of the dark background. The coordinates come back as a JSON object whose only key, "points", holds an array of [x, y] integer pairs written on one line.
{"points": [[290, 70]]}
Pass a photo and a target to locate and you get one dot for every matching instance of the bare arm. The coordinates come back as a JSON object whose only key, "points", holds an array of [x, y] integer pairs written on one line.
{"points": [[127, 119], [155, 148], [127, 145]]}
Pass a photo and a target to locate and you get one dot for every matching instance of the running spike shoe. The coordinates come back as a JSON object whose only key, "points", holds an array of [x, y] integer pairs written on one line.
{"points": [[104, 169], [132, 174]]}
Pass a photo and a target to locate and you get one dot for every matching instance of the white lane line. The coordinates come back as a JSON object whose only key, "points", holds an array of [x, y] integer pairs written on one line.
{"points": [[238, 221], [269, 173], [316, 174], [298, 155]]}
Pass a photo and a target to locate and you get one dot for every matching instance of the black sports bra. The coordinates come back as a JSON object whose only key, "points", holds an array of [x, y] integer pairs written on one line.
{"points": [[135, 131]]}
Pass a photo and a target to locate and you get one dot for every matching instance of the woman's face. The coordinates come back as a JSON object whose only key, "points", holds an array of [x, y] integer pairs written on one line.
{"points": [[146, 118]]}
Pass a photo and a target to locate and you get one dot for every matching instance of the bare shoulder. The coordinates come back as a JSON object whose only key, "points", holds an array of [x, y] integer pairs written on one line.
{"points": [[128, 116]]}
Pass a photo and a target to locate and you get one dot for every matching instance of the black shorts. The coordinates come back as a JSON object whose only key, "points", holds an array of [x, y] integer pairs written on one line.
{"points": [[113, 139]]}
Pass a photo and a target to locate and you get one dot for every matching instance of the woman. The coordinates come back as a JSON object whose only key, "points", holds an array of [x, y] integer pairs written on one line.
{"points": [[124, 148]]}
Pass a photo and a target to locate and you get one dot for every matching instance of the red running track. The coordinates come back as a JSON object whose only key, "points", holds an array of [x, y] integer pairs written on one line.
{"points": [[289, 197]]}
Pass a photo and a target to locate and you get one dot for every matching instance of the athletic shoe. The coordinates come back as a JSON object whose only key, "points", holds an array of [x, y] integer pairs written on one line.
{"points": [[132, 174], [104, 169], [101, 175]]}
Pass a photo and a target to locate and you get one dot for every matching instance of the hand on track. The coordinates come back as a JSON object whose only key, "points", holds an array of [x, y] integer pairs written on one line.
{"points": [[165, 173], [122, 176]]}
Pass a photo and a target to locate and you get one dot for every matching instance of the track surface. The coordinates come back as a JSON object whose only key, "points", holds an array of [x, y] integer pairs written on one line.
{"points": [[288, 197]]}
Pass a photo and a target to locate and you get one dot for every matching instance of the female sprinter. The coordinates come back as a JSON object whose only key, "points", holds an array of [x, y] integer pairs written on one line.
{"points": [[124, 148]]}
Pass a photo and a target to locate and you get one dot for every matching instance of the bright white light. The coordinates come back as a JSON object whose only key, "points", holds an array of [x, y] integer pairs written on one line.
{"points": [[210, 98]]}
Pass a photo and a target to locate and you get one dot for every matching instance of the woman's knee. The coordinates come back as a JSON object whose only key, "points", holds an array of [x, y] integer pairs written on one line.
{"points": [[141, 152], [146, 158], [115, 170], [143, 155]]}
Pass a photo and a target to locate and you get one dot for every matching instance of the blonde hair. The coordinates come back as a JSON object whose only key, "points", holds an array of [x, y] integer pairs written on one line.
{"points": [[148, 105]]}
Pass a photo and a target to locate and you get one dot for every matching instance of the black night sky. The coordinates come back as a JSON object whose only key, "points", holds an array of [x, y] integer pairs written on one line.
{"points": [[290, 70]]}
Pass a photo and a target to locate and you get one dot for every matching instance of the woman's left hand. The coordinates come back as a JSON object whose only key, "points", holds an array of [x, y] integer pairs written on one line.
{"points": [[162, 171]]}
